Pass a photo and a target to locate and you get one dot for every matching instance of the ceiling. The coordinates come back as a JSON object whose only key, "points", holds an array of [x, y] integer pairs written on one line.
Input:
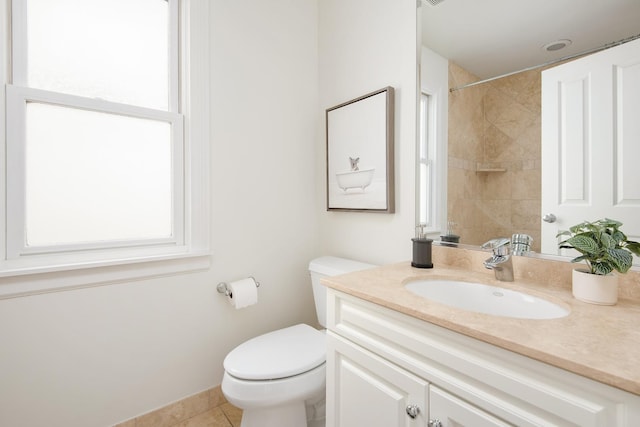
{"points": [[495, 37]]}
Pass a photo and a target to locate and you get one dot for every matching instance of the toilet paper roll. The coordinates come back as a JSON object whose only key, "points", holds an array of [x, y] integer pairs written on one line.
{"points": [[243, 293]]}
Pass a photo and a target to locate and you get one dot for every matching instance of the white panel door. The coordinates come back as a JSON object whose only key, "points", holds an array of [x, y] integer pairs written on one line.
{"points": [[454, 412], [591, 142], [368, 390]]}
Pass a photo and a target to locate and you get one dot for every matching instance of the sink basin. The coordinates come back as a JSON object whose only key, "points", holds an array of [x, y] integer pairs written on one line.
{"points": [[486, 299]]}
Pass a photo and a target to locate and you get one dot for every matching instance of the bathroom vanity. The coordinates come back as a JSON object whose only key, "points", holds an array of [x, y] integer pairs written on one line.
{"points": [[395, 359]]}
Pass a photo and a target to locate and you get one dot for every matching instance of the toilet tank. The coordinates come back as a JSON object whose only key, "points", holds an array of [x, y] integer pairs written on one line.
{"points": [[329, 266]]}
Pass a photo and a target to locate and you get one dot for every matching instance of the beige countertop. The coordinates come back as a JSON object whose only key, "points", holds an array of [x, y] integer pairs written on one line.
{"points": [[599, 342]]}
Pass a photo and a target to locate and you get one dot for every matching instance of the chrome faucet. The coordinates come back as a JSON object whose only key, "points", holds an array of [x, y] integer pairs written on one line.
{"points": [[500, 262]]}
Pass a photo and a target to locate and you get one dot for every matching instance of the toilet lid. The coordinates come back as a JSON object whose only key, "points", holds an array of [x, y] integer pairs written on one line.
{"points": [[278, 354]]}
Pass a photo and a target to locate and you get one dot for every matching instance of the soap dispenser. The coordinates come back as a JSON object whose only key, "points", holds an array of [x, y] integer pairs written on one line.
{"points": [[421, 249]]}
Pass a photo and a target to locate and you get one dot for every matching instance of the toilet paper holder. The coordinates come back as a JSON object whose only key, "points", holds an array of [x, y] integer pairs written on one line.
{"points": [[224, 289]]}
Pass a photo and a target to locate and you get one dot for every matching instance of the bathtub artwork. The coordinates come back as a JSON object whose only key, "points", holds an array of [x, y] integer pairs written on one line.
{"points": [[360, 154], [354, 178]]}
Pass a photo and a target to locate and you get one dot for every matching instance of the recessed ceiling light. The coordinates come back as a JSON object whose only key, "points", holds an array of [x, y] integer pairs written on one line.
{"points": [[556, 45]]}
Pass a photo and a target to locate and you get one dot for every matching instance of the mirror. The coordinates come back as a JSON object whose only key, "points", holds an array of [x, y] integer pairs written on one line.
{"points": [[494, 128]]}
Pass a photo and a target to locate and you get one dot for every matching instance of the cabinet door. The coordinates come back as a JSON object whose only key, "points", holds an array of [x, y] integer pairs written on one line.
{"points": [[366, 390], [454, 412]]}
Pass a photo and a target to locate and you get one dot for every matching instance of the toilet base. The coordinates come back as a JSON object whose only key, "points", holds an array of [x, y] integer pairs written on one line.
{"points": [[293, 415], [287, 402]]}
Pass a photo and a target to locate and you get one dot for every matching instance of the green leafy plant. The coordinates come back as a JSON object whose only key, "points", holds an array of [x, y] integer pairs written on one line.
{"points": [[603, 246]]}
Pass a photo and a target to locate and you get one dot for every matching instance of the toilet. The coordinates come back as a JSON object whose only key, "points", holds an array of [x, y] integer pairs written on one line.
{"points": [[278, 379]]}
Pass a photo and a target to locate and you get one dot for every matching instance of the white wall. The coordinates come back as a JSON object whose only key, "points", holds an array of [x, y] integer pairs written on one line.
{"points": [[98, 356], [365, 45]]}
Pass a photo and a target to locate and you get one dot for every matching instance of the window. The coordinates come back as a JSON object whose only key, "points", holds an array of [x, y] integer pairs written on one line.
{"points": [[101, 169], [426, 156]]}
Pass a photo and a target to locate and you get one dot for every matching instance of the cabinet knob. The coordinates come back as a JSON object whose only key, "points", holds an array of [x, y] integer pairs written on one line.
{"points": [[549, 218], [435, 423], [413, 411]]}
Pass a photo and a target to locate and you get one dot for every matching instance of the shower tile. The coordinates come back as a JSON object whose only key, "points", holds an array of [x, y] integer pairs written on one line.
{"points": [[494, 104], [500, 147], [496, 185], [531, 95], [496, 214], [526, 185], [525, 214], [490, 203], [514, 120], [530, 141]]}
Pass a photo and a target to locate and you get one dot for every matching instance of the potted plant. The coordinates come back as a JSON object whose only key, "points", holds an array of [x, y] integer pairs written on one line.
{"points": [[604, 248]]}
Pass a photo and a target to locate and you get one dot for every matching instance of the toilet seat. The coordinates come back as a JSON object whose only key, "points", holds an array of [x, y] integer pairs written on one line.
{"points": [[279, 354]]}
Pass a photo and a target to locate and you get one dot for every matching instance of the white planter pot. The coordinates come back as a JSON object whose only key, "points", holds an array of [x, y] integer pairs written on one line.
{"points": [[595, 289]]}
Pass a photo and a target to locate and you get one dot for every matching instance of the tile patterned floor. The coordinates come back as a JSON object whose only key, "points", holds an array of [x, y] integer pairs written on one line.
{"points": [[206, 409], [225, 415]]}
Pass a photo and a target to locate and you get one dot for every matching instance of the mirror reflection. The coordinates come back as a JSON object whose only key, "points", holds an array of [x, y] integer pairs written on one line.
{"points": [[491, 55]]}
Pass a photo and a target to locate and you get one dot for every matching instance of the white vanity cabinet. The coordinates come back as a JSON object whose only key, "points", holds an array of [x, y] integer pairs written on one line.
{"points": [[373, 392], [452, 411], [385, 368], [370, 391]]}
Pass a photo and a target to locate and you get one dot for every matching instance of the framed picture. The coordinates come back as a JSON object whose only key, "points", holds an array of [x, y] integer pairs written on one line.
{"points": [[360, 154]]}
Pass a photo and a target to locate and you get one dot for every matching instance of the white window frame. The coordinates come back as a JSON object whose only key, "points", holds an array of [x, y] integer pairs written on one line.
{"points": [[17, 99], [429, 205], [426, 207], [23, 270], [19, 44]]}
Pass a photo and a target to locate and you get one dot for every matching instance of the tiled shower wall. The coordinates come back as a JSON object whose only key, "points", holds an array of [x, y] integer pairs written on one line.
{"points": [[494, 125]]}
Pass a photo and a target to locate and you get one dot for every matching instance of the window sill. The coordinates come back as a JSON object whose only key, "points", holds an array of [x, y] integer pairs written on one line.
{"points": [[19, 281]]}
